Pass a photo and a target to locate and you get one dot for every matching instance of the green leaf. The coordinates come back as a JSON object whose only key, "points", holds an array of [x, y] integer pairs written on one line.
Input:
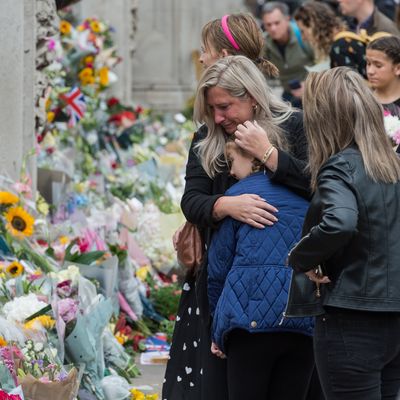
{"points": [[42, 311]]}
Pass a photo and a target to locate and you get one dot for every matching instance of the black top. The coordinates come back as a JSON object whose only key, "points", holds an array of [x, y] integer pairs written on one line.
{"points": [[201, 191]]}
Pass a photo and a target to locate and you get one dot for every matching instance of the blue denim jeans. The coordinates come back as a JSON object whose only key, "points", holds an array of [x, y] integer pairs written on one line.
{"points": [[357, 354]]}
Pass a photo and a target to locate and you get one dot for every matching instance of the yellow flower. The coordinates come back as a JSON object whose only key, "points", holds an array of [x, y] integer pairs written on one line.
{"points": [[64, 240], [15, 269], [137, 394], [19, 222], [86, 73], [3, 342], [103, 74], [95, 26], [46, 321], [65, 27], [142, 272], [122, 339], [88, 60], [151, 396], [48, 103], [8, 198], [50, 116]]}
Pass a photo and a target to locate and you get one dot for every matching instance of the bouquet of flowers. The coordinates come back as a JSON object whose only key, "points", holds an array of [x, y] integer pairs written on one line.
{"points": [[392, 126]]}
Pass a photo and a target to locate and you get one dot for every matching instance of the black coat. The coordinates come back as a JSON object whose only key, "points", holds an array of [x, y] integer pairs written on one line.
{"points": [[351, 230]]}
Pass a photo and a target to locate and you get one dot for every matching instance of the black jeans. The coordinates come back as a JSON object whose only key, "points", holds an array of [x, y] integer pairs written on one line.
{"points": [[358, 354], [269, 366]]}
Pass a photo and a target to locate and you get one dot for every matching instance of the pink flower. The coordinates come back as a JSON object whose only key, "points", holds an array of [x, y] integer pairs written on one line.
{"points": [[386, 113], [83, 244], [64, 288], [44, 379], [396, 137], [67, 309], [51, 44]]}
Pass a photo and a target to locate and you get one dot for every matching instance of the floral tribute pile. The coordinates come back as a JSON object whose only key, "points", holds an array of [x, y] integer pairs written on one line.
{"points": [[87, 267]]}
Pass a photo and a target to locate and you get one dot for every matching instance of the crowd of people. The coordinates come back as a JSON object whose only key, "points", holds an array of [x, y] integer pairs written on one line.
{"points": [[296, 198]]}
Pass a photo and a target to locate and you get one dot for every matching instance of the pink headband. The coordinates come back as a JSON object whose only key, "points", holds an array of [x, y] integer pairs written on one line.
{"points": [[225, 28]]}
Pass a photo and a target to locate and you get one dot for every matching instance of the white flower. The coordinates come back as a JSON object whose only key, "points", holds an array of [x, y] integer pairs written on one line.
{"points": [[38, 347], [392, 125], [180, 118], [22, 307]]}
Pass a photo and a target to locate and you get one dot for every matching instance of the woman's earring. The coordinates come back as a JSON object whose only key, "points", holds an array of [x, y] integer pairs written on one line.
{"points": [[255, 107]]}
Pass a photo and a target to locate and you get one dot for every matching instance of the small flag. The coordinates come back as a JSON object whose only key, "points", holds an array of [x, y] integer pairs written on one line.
{"points": [[76, 106]]}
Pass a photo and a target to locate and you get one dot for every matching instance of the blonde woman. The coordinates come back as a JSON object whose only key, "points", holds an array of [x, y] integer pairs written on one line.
{"points": [[232, 94], [350, 250]]}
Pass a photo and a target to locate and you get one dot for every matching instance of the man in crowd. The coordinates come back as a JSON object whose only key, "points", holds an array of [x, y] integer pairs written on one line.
{"points": [[368, 16], [285, 49]]}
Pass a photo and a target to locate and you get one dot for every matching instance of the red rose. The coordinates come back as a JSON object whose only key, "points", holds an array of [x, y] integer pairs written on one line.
{"points": [[112, 101]]}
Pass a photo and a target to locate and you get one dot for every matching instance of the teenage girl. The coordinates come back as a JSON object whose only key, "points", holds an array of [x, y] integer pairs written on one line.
{"points": [[383, 71]]}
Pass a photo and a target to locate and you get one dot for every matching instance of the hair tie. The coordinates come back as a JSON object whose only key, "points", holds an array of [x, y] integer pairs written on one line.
{"points": [[258, 60], [227, 32]]}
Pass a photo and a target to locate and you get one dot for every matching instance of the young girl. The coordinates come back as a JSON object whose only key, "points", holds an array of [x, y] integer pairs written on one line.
{"points": [[247, 288], [383, 70]]}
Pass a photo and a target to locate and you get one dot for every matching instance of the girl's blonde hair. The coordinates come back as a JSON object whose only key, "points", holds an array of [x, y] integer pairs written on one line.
{"points": [[340, 110], [242, 79], [247, 35]]}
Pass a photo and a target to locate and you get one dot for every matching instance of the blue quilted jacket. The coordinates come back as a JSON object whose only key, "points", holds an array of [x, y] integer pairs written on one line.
{"points": [[248, 280]]}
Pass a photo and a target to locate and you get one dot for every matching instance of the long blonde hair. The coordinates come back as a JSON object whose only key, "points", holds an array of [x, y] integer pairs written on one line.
{"points": [[340, 110], [240, 78]]}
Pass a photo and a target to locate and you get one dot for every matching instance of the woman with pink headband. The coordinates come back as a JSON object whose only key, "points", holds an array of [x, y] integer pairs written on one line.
{"points": [[193, 372]]}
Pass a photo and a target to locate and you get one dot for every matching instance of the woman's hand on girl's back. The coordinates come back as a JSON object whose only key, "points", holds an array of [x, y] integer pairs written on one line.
{"points": [[247, 208]]}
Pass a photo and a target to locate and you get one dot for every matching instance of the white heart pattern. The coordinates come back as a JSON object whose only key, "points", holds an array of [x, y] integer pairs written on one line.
{"points": [[178, 318], [178, 378], [186, 287], [197, 311], [195, 344], [201, 371], [189, 310], [184, 346], [191, 384], [188, 370]]}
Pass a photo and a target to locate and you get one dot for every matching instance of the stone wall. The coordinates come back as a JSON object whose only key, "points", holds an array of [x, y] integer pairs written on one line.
{"points": [[157, 39], [164, 74]]}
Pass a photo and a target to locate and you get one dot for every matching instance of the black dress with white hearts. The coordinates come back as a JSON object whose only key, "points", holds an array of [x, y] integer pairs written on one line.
{"points": [[193, 372]]}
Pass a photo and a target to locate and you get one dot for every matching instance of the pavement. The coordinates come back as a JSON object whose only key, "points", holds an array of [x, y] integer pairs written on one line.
{"points": [[151, 379]]}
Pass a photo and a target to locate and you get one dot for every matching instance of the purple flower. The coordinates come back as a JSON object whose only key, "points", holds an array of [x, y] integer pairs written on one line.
{"points": [[67, 309]]}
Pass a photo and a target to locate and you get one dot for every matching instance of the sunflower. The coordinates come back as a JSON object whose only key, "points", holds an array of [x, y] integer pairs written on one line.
{"points": [[65, 27], [19, 222], [8, 198], [15, 269]]}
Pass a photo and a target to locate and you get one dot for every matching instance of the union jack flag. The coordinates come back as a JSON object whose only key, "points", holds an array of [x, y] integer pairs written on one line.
{"points": [[76, 106]]}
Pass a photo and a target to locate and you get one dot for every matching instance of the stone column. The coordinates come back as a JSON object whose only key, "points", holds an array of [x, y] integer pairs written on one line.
{"points": [[11, 86], [17, 30]]}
